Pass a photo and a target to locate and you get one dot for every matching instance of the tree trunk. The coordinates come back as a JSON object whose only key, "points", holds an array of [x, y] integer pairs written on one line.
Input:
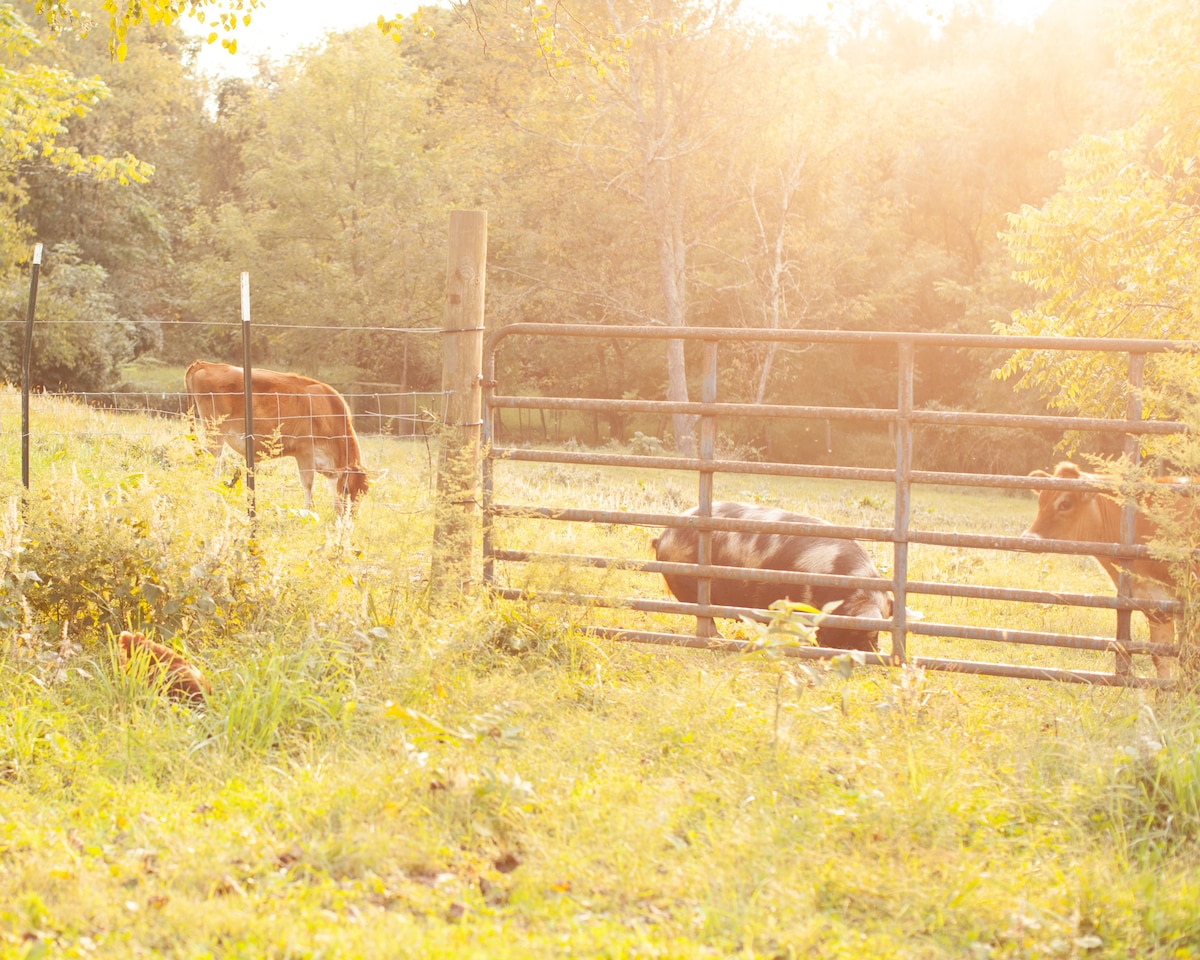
{"points": [[671, 279], [666, 199], [764, 373]]}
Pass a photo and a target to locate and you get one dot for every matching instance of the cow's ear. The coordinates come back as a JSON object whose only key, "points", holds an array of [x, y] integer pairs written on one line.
{"points": [[1038, 473]]}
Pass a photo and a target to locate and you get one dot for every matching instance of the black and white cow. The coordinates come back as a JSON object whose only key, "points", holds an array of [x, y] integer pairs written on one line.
{"points": [[776, 551]]}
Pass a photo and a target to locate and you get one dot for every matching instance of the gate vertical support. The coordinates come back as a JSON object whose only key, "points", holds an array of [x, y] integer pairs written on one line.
{"points": [[708, 443], [904, 450], [1133, 451], [453, 566]]}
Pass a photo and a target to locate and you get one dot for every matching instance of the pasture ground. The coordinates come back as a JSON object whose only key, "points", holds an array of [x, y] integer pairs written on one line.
{"points": [[375, 778]]}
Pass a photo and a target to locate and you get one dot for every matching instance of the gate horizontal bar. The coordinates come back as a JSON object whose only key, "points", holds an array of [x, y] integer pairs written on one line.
{"points": [[872, 414], [1034, 638], [695, 408], [1000, 481], [865, 624], [922, 628], [761, 335], [979, 668], [692, 464], [924, 588], [752, 574], [1015, 672], [631, 518], [735, 646], [1095, 424], [876, 534]]}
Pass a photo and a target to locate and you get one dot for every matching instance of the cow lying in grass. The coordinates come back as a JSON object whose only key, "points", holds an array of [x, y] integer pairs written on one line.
{"points": [[1095, 516], [785, 552], [178, 678]]}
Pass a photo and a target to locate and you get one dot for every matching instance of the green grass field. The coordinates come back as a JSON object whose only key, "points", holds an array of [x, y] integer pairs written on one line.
{"points": [[374, 777]]}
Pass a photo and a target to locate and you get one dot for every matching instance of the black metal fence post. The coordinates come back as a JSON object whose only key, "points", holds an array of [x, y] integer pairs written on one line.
{"points": [[26, 362], [249, 398]]}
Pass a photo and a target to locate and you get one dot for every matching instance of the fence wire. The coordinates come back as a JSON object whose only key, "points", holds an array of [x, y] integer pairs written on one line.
{"points": [[410, 413], [153, 427]]}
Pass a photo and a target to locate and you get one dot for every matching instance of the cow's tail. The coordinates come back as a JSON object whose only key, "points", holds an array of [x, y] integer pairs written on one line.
{"points": [[193, 407], [352, 452]]}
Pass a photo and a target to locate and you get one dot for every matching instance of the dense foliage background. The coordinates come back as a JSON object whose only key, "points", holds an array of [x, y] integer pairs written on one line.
{"points": [[662, 162]]}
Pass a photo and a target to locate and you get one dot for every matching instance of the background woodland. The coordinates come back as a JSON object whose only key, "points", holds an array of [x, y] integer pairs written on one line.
{"points": [[664, 162]]}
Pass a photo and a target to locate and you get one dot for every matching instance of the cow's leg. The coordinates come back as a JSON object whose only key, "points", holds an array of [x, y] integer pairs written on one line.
{"points": [[214, 441], [307, 475], [237, 469], [1162, 633], [306, 478], [322, 464], [226, 441], [341, 500], [207, 437]]}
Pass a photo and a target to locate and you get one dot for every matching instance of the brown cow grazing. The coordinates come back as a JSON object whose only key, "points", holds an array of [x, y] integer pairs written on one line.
{"points": [[1093, 515], [294, 416], [179, 679], [784, 552]]}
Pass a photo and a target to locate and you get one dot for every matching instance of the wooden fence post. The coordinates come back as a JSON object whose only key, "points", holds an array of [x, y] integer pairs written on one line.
{"points": [[457, 507]]}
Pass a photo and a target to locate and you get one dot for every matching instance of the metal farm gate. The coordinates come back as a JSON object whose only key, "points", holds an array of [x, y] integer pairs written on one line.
{"points": [[902, 418]]}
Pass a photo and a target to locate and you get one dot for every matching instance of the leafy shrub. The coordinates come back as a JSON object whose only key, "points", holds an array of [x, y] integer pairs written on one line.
{"points": [[1174, 507], [737, 448], [112, 559], [79, 341], [642, 445]]}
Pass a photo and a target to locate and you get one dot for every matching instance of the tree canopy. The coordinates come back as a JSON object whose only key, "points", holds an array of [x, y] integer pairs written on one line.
{"points": [[226, 18], [37, 102], [642, 161], [1113, 252]]}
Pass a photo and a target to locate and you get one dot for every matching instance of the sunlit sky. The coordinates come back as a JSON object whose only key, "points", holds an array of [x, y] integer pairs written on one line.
{"points": [[282, 26]]}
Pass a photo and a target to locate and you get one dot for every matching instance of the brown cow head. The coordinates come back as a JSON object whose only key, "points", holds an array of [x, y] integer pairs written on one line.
{"points": [[352, 486], [1066, 514]]}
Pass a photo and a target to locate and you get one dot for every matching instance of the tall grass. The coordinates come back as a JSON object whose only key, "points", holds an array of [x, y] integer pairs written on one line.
{"points": [[373, 777]]}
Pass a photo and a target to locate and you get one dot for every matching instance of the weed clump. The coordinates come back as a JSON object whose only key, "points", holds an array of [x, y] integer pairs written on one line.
{"points": [[1154, 802], [105, 560]]}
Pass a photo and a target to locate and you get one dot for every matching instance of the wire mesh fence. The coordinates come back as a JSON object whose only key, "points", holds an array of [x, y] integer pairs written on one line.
{"points": [[139, 429], [385, 411]]}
